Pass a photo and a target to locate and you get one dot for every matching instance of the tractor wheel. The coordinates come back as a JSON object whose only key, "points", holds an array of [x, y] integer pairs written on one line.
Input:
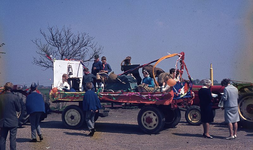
{"points": [[193, 115], [172, 117], [73, 117], [246, 110], [151, 120]]}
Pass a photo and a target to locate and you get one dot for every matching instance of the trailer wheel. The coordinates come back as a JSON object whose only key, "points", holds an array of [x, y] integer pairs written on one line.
{"points": [[193, 115], [172, 117], [73, 117], [246, 110], [151, 120]]}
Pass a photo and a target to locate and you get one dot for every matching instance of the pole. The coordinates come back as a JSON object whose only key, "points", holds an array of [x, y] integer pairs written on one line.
{"points": [[211, 73]]}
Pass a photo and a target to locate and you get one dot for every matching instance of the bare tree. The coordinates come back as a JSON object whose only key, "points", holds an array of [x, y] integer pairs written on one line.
{"points": [[63, 44]]}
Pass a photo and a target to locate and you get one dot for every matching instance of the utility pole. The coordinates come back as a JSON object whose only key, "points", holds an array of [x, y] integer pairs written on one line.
{"points": [[211, 73]]}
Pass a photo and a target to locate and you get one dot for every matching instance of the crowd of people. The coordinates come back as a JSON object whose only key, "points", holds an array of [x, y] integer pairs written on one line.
{"points": [[100, 71], [10, 110]]}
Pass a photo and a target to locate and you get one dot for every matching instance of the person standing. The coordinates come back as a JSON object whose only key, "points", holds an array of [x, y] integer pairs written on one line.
{"points": [[88, 77], [205, 98], [35, 106], [91, 105], [230, 98], [96, 67], [9, 106]]}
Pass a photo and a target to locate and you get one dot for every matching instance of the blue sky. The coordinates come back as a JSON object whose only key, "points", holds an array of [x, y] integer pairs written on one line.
{"points": [[210, 31]]}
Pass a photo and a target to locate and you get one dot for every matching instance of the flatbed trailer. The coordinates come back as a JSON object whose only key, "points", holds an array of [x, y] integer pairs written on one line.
{"points": [[157, 109]]}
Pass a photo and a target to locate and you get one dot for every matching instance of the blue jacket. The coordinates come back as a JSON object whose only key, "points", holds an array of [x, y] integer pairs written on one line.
{"points": [[106, 67], [149, 81], [98, 66], [91, 101], [35, 103]]}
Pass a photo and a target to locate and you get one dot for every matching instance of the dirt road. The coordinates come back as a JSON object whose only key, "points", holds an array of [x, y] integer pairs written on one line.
{"points": [[120, 131]]}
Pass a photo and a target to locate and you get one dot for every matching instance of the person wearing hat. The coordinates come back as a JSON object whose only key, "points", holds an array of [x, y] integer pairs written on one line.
{"points": [[9, 106], [96, 66], [205, 97], [35, 106]]}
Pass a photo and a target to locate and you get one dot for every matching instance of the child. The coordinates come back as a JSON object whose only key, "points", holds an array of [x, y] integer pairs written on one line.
{"points": [[88, 77], [91, 105]]}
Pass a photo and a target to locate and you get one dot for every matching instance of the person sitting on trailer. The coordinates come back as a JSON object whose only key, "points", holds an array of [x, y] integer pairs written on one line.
{"points": [[148, 84], [64, 85], [105, 70], [174, 74], [167, 80]]}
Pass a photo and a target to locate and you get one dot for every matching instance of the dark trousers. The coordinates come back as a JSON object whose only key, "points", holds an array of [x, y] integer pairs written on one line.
{"points": [[35, 124], [90, 117], [4, 133]]}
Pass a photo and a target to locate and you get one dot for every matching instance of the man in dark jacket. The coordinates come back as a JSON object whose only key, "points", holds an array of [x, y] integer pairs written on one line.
{"points": [[35, 106], [88, 77], [9, 106], [96, 67]]}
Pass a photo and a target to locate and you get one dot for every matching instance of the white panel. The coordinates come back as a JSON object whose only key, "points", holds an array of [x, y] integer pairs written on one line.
{"points": [[61, 67]]}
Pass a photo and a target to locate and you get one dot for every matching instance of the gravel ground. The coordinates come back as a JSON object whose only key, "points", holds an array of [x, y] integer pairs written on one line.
{"points": [[120, 130]]}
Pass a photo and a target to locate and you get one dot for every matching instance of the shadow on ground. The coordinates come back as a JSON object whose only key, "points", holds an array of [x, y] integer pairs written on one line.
{"points": [[22, 140]]}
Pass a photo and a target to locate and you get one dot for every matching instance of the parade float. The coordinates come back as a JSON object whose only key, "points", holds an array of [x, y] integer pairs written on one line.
{"points": [[157, 109]]}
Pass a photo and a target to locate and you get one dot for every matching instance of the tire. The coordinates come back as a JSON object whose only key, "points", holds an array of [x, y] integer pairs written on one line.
{"points": [[245, 105], [193, 115], [73, 117], [172, 117], [151, 120]]}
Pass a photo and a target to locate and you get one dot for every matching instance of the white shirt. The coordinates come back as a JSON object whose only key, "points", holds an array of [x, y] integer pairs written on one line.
{"points": [[63, 86]]}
